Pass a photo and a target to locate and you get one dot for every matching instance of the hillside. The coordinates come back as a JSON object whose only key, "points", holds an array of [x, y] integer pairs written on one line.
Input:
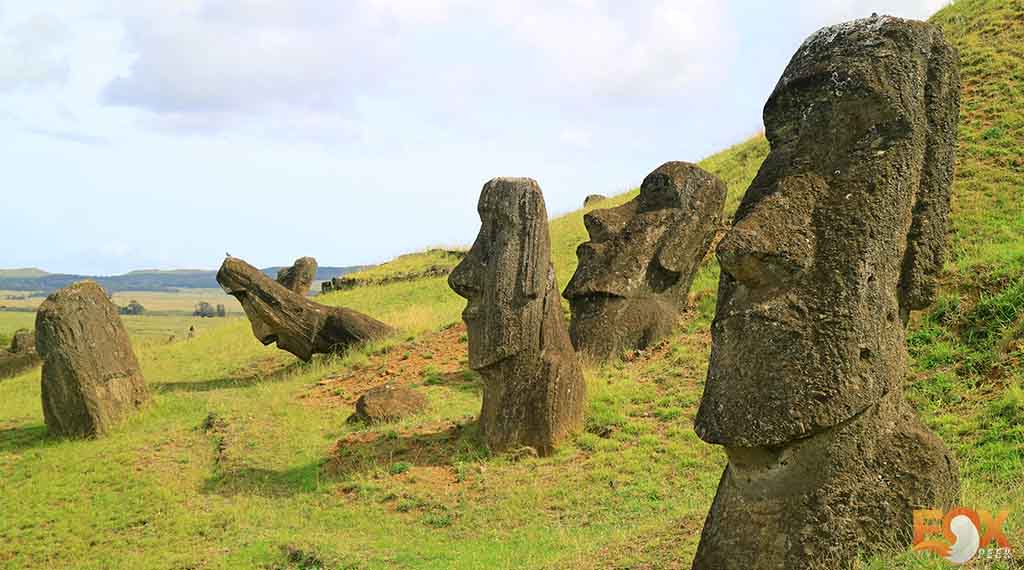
{"points": [[246, 461], [22, 272]]}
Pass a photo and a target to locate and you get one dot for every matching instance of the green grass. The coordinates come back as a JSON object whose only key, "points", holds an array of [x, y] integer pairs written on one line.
{"points": [[181, 301], [11, 321], [407, 266], [143, 329], [232, 467]]}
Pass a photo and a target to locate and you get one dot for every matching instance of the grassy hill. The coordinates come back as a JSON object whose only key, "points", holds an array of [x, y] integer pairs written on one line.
{"points": [[23, 272], [245, 459]]}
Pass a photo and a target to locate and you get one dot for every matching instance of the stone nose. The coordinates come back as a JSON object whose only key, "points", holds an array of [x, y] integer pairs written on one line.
{"points": [[464, 278], [603, 224]]}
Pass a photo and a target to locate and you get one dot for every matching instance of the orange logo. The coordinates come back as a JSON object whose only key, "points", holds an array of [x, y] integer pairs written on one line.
{"points": [[965, 533]]}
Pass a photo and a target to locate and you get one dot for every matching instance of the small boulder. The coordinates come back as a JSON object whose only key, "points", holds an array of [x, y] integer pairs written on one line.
{"points": [[388, 403], [91, 378], [594, 199]]}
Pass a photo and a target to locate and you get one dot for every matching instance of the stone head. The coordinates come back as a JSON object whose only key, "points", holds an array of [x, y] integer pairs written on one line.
{"points": [[258, 298], [634, 249], [838, 236], [641, 258], [506, 273]]}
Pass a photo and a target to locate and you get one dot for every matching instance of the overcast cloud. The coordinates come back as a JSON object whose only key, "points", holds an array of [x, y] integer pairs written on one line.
{"points": [[144, 133]]}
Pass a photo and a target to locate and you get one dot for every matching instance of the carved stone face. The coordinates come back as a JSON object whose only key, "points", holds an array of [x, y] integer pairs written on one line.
{"points": [[635, 272], [259, 299], [809, 329], [624, 255], [264, 322], [506, 272]]}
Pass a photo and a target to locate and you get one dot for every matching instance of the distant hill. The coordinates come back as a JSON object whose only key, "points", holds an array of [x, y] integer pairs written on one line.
{"points": [[142, 280], [23, 272]]}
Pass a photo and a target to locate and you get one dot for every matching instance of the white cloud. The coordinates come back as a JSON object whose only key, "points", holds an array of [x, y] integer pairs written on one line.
{"points": [[416, 11], [69, 136], [241, 59], [609, 48], [205, 65], [576, 137], [33, 53]]}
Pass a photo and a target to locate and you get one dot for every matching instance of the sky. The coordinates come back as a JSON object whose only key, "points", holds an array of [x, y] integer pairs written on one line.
{"points": [[165, 133]]}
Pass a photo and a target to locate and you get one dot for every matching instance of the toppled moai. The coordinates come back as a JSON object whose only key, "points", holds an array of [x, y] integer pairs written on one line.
{"points": [[298, 325], [91, 379], [534, 392], [634, 275], [300, 276], [840, 235]]}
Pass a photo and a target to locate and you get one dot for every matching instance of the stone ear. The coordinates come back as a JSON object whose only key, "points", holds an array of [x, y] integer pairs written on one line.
{"points": [[534, 243], [680, 247], [926, 240]]}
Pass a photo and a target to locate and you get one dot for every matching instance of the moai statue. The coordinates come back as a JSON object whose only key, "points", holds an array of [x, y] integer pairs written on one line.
{"points": [[534, 392], [91, 379], [300, 276], [296, 324], [21, 356], [840, 235], [634, 274]]}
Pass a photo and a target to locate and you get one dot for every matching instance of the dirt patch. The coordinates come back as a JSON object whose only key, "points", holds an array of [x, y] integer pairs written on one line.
{"points": [[433, 358], [438, 444]]}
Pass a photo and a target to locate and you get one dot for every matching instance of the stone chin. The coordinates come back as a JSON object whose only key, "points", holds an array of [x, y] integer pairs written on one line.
{"points": [[483, 353], [604, 324]]}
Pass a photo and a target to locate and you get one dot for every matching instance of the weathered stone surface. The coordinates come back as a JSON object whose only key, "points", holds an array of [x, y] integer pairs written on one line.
{"points": [[814, 502], [21, 356], [296, 324], [594, 199], [388, 403], [840, 235], [635, 272], [300, 276], [91, 378], [534, 392], [12, 364], [24, 341]]}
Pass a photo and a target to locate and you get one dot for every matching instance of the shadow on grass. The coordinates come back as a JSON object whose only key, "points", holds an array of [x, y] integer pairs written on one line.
{"points": [[22, 438], [243, 378], [358, 453]]}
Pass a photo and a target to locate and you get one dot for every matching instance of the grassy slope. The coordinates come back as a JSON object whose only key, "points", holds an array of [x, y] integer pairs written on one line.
{"points": [[408, 265], [23, 272], [164, 493]]}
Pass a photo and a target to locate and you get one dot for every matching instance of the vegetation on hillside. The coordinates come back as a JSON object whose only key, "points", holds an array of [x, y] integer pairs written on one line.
{"points": [[242, 462], [434, 262]]}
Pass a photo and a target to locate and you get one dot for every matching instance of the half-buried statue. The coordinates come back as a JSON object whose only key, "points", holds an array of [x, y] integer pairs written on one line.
{"points": [[91, 378], [533, 387], [634, 274], [840, 235]]}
